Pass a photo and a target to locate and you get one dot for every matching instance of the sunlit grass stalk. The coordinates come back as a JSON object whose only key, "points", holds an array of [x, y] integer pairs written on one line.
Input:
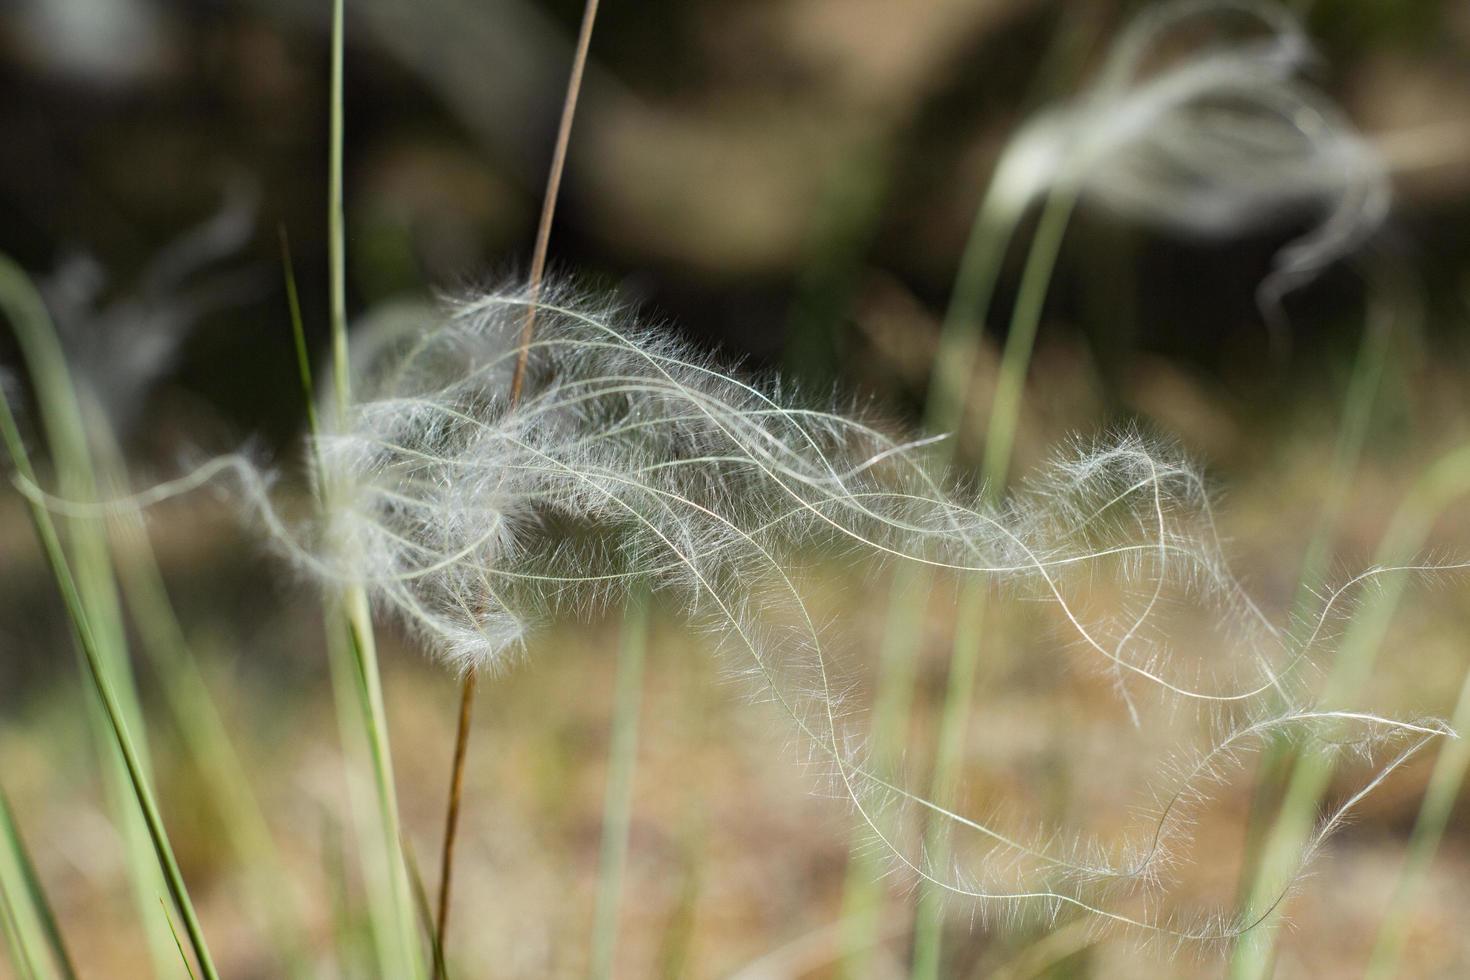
{"points": [[26, 310], [1445, 781], [97, 592], [1000, 438], [178, 943], [1442, 484], [22, 960], [960, 341], [1366, 381], [948, 760], [192, 707], [31, 931], [617, 809], [353, 649], [538, 270]]}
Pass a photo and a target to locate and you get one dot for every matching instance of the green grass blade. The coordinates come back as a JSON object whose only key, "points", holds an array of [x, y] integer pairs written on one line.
{"points": [[31, 930], [15, 943], [178, 943], [1369, 365], [193, 709], [618, 805], [1434, 816], [64, 424], [93, 606], [10, 288], [298, 337], [1441, 485], [394, 922]]}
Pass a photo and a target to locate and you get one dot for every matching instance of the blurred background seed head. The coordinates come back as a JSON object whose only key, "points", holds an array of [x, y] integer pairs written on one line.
{"points": [[755, 170]]}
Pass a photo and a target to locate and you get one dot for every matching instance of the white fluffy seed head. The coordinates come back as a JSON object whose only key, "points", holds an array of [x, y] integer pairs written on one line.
{"points": [[632, 462], [1215, 142]]}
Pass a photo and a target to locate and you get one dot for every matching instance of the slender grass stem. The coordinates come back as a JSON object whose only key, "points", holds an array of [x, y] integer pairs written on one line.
{"points": [[1000, 437], [1434, 816], [618, 805], [960, 340], [93, 605], [456, 799], [178, 943], [1442, 484], [298, 338], [82, 630], [1364, 384], [949, 758], [538, 270], [192, 707], [397, 937], [21, 954], [32, 932], [336, 232]]}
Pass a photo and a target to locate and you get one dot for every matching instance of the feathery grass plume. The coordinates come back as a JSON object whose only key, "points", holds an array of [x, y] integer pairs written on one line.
{"points": [[631, 463], [1218, 141]]}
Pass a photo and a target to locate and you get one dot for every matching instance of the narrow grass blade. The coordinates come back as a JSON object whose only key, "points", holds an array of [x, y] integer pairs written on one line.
{"points": [[1434, 816], [425, 912], [31, 928], [954, 720], [298, 337], [394, 926], [1369, 365], [618, 805], [90, 593], [14, 292], [1005, 414], [1440, 486], [178, 943]]}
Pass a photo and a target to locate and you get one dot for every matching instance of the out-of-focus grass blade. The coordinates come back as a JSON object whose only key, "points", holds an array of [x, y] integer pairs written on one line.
{"points": [[1434, 815], [618, 804], [30, 925], [1384, 315], [352, 648], [1446, 481], [87, 551], [24, 308], [206, 740], [425, 911], [178, 943]]}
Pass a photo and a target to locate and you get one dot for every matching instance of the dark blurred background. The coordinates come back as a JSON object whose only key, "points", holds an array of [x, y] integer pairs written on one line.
{"points": [[790, 180]]}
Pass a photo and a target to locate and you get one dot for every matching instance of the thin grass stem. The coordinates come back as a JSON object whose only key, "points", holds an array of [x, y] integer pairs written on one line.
{"points": [[1442, 484], [1364, 385], [10, 288], [538, 270], [90, 595], [397, 937], [618, 804], [36, 944], [1440, 797]]}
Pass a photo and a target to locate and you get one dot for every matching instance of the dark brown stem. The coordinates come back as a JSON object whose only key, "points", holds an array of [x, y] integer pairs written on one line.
{"points": [[538, 270], [553, 188], [451, 819]]}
